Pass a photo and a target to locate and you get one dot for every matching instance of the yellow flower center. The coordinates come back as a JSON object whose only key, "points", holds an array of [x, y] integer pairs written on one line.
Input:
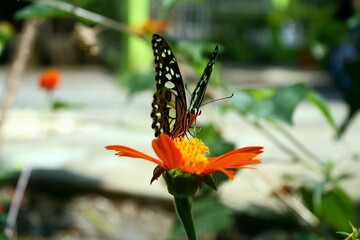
{"points": [[193, 153]]}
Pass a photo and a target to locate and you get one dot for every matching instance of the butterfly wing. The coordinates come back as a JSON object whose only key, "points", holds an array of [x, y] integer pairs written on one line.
{"points": [[169, 101], [198, 95]]}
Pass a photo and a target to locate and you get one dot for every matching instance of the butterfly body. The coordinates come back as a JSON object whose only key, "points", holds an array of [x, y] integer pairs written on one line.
{"points": [[169, 108]]}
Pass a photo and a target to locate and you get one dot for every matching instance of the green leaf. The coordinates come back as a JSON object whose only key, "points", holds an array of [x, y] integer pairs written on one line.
{"points": [[286, 99], [353, 229], [343, 233], [320, 103], [338, 208], [38, 10], [280, 103], [253, 101], [333, 207]]}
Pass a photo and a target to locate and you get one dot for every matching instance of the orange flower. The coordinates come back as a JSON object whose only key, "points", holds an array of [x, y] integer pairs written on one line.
{"points": [[49, 80], [152, 26], [189, 156]]}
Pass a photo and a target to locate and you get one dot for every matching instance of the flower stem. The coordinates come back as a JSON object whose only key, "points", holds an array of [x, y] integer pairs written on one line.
{"points": [[49, 101], [183, 209]]}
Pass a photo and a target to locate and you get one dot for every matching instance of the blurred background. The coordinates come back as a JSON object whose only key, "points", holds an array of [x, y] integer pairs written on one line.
{"points": [[79, 75]]}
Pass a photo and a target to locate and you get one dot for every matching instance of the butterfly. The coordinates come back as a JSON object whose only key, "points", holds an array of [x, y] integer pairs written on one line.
{"points": [[170, 113]]}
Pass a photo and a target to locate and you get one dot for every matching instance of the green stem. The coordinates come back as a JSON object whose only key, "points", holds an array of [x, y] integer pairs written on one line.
{"points": [[49, 101], [183, 209]]}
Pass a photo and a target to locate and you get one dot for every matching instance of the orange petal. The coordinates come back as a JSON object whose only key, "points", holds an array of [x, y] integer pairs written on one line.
{"points": [[253, 149], [237, 158], [228, 173], [129, 152], [166, 150]]}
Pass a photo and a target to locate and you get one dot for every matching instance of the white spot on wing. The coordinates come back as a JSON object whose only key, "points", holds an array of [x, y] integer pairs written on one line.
{"points": [[169, 84], [171, 123], [172, 113]]}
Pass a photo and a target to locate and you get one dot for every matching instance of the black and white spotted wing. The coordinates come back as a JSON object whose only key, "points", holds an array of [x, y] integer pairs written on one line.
{"points": [[198, 95]]}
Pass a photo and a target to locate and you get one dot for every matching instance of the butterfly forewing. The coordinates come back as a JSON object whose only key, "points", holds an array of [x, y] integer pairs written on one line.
{"points": [[198, 95], [169, 101]]}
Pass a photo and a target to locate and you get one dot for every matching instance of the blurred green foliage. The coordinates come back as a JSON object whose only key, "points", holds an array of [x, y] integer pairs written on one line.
{"points": [[6, 34], [37, 10], [260, 36], [279, 103], [333, 206]]}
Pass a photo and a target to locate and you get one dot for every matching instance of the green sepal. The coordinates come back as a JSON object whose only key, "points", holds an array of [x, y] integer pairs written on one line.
{"points": [[210, 180], [157, 173], [181, 184]]}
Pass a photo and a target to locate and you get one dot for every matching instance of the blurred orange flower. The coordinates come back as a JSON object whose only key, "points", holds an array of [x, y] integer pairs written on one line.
{"points": [[152, 26], [49, 79]]}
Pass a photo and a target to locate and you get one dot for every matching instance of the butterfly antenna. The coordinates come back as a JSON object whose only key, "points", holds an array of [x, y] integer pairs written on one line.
{"points": [[186, 88], [194, 129], [220, 99]]}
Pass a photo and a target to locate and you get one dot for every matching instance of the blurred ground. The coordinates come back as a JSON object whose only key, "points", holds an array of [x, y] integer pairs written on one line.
{"points": [[74, 140]]}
